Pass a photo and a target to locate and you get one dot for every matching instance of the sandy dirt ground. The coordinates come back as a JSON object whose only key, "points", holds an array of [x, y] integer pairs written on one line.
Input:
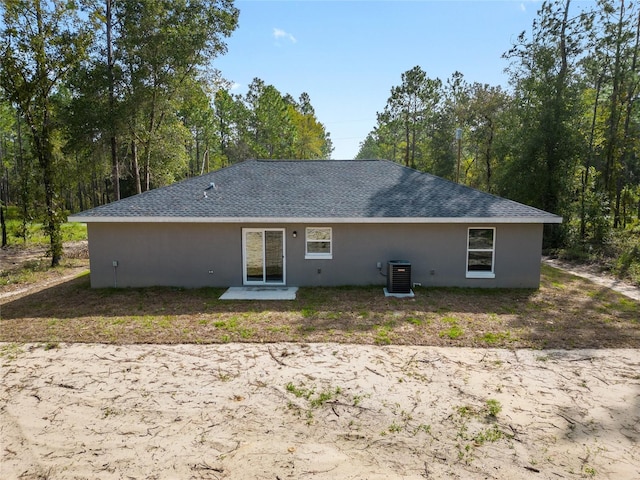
{"points": [[595, 274], [321, 411], [15, 257]]}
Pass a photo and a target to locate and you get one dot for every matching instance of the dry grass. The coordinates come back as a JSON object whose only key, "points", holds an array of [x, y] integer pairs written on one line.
{"points": [[566, 312]]}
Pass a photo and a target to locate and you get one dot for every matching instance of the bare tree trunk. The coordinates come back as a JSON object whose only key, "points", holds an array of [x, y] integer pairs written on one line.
{"points": [[135, 167], [147, 168], [4, 225], [24, 180], [488, 153], [4, 192], [42, 141], [585, 176], [612, 131], [205, 162], [407, 145], [115, 168], [627, 145]]}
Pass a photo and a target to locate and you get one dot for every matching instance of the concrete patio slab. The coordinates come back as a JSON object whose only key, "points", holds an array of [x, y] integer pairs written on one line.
{"points": [[260, 293], [387, 293]]}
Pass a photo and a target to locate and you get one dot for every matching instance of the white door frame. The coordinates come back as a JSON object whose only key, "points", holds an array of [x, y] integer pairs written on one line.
{"points": [[245, 280]]}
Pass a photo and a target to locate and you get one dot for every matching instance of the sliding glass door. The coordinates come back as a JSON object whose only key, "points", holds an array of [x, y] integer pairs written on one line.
{"points": [[263, 256]]}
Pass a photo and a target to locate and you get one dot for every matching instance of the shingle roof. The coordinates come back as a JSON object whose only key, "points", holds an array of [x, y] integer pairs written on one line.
{"points": [[357, 190]]}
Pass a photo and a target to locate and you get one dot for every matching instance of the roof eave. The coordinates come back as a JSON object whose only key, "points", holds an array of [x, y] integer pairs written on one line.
{"points": [[316, 220]]}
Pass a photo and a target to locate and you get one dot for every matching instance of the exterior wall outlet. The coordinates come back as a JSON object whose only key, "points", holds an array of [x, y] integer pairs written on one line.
{"points": [[319, 271], [379, 265], [114, 263]]}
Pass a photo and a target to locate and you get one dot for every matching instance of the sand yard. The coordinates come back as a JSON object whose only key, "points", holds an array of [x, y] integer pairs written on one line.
{"points": [[322, 411]]}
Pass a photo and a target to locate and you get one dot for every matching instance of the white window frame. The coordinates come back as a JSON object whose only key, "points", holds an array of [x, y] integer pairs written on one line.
{"points": [[318, 256], [482, 274]]}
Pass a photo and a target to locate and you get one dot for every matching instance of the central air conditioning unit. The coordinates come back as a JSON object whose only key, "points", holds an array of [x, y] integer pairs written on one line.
{"points": [[399, 276]]}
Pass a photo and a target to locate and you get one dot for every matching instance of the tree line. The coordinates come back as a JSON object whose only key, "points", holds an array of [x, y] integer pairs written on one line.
{"points": [[103, 99], [564, 137]]}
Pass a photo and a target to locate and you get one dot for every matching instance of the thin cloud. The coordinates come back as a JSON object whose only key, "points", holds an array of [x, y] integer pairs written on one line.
{"points": [[523, 5], [278, 34]]}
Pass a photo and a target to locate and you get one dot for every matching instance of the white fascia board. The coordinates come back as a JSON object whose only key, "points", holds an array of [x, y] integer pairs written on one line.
{"points": [[313, 220]]}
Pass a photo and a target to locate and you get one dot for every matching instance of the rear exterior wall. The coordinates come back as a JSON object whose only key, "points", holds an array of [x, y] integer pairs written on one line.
{"points": [[210, 255]]}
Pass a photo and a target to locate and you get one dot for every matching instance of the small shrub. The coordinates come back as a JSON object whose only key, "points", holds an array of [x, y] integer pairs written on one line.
{"points": [[491, 434], [493, 407], [395, 428]]}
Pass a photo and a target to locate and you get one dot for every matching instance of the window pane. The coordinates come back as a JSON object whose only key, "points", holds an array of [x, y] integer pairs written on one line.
{"points": [[319, 247], [480, 238], [480, 261], [318, 234]]}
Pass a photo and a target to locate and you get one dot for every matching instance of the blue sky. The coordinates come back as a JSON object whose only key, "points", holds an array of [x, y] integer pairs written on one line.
{"points": [[348, 54]]}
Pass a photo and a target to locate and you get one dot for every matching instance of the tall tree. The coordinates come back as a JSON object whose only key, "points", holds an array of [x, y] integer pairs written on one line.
{"points": [[544, 77], [310, 137], [412, 104], [111, 81], [230, 119], [445, 155], [42, 42], [273, 133], [486, 108], [620, 23], [7, 146], [369, 149], [160, 46]]}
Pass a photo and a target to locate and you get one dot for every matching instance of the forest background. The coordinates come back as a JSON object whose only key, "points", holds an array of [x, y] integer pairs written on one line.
{"points": [[103, 99]]}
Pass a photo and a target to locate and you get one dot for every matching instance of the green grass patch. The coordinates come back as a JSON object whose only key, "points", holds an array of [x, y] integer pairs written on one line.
{"points": [[10, 351], [315, 400], [34, 234], [454, 332], [627, 305], [493, 407], [492, 338], [235, 326], [27, 273], [490, 434], [547, 318], [383, 334], [308, 312]]}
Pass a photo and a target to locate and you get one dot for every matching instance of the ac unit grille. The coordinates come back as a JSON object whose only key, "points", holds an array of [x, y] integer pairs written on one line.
{"points": [[399, 276]]}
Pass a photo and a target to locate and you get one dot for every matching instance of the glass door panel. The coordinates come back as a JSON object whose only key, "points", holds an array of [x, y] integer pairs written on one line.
{"points": [[254, 256], [273, 256]]}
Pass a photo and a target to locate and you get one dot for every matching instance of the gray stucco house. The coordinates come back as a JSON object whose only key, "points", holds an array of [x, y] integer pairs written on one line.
{"points": [[306, 223]]}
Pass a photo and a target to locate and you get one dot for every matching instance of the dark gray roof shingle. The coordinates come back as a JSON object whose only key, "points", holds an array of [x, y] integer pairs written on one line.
{"points": [[307, 189]]}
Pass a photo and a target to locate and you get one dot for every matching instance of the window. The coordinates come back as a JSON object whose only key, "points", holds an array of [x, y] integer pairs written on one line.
{"points": [[480, 252], [318, 243]]}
